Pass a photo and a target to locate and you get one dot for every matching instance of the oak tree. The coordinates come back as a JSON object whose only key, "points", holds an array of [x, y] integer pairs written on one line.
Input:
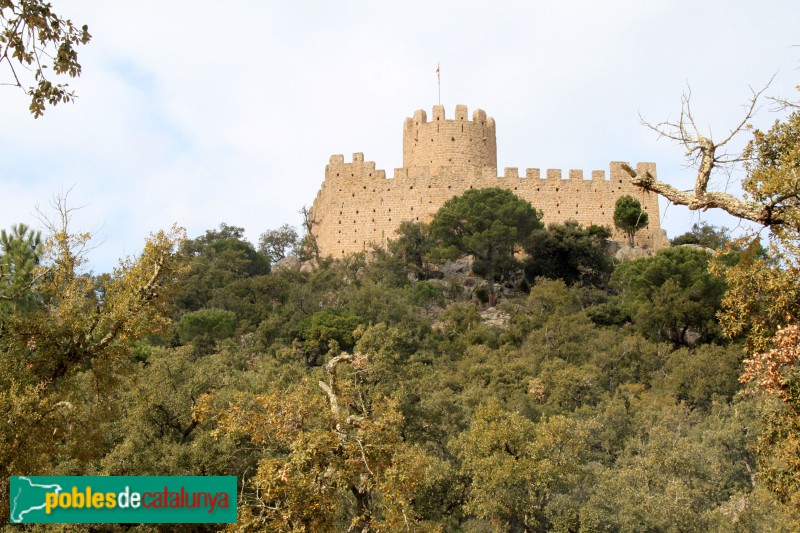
{"points": [[763, 294], [35, 39]]}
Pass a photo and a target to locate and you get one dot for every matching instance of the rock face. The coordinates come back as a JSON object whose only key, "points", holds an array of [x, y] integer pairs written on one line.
{"points": [[287, 263], [494, 317], [626, 253], [294, 264], [460, 266], [358, 207], [697, 247], [309, 266]]}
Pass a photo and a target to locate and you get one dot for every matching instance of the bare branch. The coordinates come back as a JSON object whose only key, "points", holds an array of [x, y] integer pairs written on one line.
{"points": [[334, 401], [707, 157], [766, 215], [332, 389]]}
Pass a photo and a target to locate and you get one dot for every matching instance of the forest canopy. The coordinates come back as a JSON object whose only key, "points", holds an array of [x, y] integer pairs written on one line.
{"points": [[381, 391]]}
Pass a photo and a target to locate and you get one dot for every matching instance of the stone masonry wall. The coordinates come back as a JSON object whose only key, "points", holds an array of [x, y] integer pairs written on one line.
{"points": [[358, 207], [459, 144]]}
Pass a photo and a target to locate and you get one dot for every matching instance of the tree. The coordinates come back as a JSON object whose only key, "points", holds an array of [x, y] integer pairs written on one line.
{"points": [[763, 296], [413, 245], [278, 243], [308, 247], [486, 223], [704, 234], [332, 462], [629, 216], [770, 159], [75, 327], [35, 39], [671, 295], [217, 259], [329, 330], [20, 251], [516, 467], [569, 252]]}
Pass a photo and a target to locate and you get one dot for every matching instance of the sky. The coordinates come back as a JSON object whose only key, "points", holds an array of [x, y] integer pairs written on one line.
{"points": [[198, 112]]}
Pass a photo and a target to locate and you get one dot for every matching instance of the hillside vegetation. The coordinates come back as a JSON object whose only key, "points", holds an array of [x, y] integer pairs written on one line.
{"points": [[379, 393]]}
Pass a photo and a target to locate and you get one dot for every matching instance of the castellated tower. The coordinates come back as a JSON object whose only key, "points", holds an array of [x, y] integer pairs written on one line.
{"points": [[358, 207], [461, 145]]}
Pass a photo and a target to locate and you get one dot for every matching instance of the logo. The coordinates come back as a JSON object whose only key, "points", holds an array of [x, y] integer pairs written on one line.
{"points": [[122, 499]]}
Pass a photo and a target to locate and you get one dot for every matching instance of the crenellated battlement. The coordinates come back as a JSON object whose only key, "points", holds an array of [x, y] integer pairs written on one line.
{"points": [[358, 206], [356, 170], [360, 168], [460, 143], [421, 117]]}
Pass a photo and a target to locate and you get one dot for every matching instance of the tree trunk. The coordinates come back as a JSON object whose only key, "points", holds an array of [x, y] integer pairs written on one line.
{"points": [[362, 523], [490, 277]]}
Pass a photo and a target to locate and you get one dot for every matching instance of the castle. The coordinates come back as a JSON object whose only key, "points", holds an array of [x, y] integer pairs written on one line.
{"points": [[358, 207]]}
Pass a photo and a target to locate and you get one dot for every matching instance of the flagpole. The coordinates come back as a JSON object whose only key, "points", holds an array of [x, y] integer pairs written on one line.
{"points": [[439, 81]]}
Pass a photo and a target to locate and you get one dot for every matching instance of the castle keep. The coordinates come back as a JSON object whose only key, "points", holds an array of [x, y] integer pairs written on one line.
{"points": [[357, 206]]}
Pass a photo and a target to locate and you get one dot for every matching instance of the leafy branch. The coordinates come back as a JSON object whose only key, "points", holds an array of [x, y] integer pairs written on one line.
{"points": [[35, 39]]}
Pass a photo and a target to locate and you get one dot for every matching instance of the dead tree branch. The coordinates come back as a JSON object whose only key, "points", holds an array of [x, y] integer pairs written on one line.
{"points": [[332, 390], [707, 156]]}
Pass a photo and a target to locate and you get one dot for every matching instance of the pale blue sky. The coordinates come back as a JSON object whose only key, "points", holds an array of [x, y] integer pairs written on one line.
{"points": [[199, 113]]}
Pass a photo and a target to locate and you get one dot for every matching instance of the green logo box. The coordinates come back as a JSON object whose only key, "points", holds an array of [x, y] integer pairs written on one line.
{"points": [[122, 499]]}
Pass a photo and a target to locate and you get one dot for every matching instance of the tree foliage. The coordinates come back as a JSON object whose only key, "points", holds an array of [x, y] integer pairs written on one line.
{"points": [[486, 223], [75, 328], [20, 252], [671, 295], [439, 416], [413, 246], [629, 216], [33, 38], [763, 292], [278, 243], [772, 162], [569, 252], [705, 235], [217, 260]]}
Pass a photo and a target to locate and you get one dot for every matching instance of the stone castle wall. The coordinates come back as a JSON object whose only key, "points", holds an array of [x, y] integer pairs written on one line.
{"points": [[458, 144], [358, 207]]}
